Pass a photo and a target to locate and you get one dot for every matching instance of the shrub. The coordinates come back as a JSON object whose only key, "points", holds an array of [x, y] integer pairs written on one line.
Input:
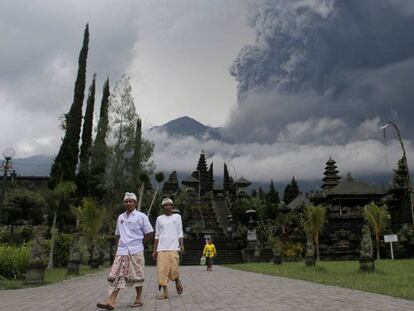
{"points": [[63, 242], [13, 260], [292, 250]]}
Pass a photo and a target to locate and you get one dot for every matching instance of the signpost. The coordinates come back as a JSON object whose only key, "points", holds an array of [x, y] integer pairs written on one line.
{"points": [[389, 239]]}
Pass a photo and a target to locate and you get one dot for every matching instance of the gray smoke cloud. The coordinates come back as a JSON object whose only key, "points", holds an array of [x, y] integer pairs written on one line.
{"points": [[324, 71], [280, 161]]}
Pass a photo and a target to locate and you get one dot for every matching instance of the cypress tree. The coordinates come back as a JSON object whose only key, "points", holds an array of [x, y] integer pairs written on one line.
{"points": [[291, 191], [99, 152], [272, 202], [85, 149], [273, 195], [64, 166], [136, 159]]}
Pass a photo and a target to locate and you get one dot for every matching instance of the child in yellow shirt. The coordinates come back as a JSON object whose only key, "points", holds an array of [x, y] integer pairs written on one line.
{"points": [[209, 252]]}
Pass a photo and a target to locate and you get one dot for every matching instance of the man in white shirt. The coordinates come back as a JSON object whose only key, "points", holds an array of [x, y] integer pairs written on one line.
{"points": [[169, 242], [132, 228]]}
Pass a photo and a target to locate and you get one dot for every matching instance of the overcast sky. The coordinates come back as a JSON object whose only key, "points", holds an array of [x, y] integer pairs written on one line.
{"points": [[291, 81], [178, 55]]}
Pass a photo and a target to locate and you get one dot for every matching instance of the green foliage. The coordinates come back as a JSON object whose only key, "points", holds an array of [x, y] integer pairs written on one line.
{"points": [[292, 250], [291, 191], [314, 223], [159, 177], [378, 219], [17, 237], [82, 180], [62, 244], [123, 142], [58, 200], [64, 166], [99, 152], [406, 241], [13, 260], [273, 195], [22, 207], [90, 219]]}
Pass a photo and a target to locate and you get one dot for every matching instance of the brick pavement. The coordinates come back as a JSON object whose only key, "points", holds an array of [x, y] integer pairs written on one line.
{"points": [[223, 289]]}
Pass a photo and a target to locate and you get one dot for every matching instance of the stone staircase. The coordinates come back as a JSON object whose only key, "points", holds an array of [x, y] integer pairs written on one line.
{"points": [[194, 243]]}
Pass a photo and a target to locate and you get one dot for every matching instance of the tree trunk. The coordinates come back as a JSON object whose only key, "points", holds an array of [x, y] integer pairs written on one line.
{"points": [[317, 246], [52, 242], [378, 247]]}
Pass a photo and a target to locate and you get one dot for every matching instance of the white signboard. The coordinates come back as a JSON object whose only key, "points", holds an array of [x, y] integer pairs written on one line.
{"points": [[390, 238]]}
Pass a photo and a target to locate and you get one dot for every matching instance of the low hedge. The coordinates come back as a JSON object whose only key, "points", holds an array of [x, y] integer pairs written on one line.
{"points": [[13, 260]]}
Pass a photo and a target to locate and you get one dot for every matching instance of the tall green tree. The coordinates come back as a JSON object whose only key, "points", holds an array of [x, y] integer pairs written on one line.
{"points": [[82, 180], [99, 152], [125, 134], [291, 191], [273, 195], [136, 159], [272, 202], [314, 223], [378, 219], [123, 118], [64, 166]]}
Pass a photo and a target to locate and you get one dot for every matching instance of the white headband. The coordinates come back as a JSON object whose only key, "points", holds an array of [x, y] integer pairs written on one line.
{"points": [[166, 201], [130, 195]]}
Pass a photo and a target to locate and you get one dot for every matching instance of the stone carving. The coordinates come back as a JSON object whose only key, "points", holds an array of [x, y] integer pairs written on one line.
{"points": [[366, 257]]}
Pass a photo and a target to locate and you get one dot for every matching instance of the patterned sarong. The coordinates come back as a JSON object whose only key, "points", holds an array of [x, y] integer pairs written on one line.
{"points": [[167, 266], [127, 271]]}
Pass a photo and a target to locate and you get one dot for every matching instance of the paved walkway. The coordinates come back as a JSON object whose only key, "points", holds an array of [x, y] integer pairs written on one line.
{"points": [[222, 289]]}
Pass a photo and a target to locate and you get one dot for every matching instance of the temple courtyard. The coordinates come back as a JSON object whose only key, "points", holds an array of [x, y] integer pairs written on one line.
{"points": [[221, 289]]}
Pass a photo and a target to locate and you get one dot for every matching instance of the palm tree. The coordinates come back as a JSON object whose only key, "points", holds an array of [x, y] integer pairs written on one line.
{"points": [[56, 199], [91, 219], [314, 222], [378, 218]]}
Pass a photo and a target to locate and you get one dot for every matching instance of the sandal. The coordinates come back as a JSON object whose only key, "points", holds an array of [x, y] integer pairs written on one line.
{"points": [[136, 305], [179, 287], [105, 306], [162, 297]]}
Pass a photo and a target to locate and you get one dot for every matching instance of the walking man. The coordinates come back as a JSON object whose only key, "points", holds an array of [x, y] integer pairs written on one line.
{"points": [[132, 228], [169, 242]]}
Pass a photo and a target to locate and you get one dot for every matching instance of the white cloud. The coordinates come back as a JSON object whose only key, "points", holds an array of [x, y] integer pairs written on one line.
{"points": [[280, 161]]}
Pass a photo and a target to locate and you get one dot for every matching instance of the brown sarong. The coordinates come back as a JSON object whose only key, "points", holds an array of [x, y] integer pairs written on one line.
{"points": [[127, 271], [167, 266]]}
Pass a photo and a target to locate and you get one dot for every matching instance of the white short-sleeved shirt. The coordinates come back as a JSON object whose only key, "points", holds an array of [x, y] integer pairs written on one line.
{"points": [[168, 231], [131, 229]]}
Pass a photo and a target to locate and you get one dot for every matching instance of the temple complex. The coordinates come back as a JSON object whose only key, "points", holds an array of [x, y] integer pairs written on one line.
{"points": [[207, 211]]}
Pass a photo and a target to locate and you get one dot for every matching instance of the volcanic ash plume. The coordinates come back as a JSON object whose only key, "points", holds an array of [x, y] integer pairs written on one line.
{"points": [[328, 66]]}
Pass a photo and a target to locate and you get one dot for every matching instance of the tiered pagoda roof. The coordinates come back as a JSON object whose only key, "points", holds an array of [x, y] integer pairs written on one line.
{"points": [[331, 178]]}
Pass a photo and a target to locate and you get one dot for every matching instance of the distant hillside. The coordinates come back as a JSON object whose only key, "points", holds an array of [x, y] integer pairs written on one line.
{"points": [[186, 126], [38, 165]]}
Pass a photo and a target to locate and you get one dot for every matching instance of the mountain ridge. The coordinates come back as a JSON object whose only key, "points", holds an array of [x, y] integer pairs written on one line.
{"points": [[186, 126]]}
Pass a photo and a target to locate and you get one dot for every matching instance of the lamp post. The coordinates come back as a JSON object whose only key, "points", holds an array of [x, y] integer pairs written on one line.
{"points": [[8, 154], [404, 160]]}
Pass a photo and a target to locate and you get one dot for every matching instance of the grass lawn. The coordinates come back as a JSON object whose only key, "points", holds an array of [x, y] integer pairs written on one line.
{"points": [[392, 277], [51, 276]]}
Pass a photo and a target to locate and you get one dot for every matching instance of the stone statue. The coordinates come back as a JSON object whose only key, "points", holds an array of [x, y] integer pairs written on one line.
{"points": [[36, 268], [366, 254]]}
